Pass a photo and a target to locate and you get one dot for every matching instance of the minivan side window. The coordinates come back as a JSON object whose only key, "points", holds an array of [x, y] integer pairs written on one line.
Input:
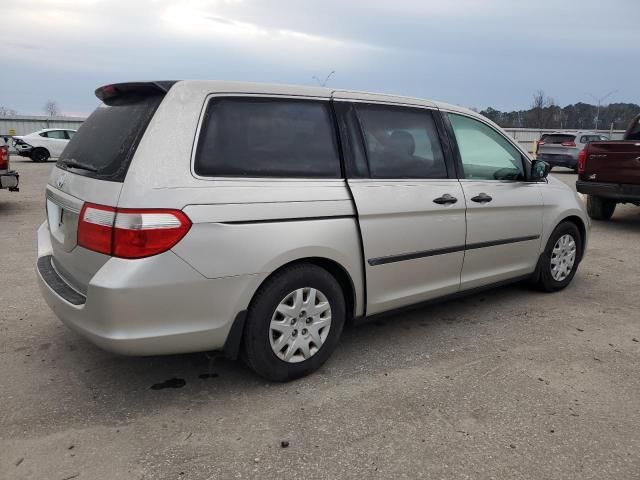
{"points": [[485, 153], [401, 142], [266, 137]]}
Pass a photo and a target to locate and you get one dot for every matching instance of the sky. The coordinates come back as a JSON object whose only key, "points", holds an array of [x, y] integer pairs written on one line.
{"points": [[475, 53]]}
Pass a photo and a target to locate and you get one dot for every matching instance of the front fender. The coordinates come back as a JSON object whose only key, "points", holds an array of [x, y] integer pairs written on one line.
{"points": [[561, 203]]}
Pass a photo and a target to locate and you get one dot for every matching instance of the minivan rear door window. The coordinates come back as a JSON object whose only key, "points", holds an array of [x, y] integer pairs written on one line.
{"points": [[401, 142]]}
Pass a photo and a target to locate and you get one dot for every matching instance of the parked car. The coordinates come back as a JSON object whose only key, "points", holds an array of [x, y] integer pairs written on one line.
{"points": [[8, 178], [199, 215], [41, 145], [609, 173], [561, 149]]}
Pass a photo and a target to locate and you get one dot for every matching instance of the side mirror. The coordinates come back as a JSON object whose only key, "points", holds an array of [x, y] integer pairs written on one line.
{"points": [[539, 170]]}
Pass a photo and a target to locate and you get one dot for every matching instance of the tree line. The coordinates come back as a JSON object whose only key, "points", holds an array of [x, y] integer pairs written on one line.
{"points": [[544, 113], [50, 107]]}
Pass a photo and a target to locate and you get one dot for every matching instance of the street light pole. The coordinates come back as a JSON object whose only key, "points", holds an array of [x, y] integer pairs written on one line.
{"points": [[599, 103], [323, 83]]}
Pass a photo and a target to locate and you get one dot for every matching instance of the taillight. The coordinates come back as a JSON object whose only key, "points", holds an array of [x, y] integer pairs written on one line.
{"points": [[130, 233], [4, 157], [582, 161], [568, 143], [142, 233], [95, 228]]}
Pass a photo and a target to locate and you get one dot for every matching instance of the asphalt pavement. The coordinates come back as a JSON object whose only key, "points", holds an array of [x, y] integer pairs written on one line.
{"points": [[510, 383]]}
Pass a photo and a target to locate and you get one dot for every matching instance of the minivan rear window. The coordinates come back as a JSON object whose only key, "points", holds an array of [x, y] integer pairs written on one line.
{"points": [[266, 137], [107, 140], [557, 139]]}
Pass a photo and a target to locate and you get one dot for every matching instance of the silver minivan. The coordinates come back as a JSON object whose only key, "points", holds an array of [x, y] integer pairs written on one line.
{"points": [[260, 219]]}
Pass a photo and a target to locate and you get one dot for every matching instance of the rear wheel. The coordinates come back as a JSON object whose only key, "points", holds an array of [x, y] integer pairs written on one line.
{"points": [[600, 208], [294, 323], [559, 262], [39, 154]]}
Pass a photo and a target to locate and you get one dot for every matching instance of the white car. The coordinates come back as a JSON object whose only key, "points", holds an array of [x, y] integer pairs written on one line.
{"points": [[45, 143]]}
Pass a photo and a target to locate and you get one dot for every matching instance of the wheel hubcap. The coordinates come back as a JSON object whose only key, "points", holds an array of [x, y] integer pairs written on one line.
{"points": [[300, 325], [563, 257]]}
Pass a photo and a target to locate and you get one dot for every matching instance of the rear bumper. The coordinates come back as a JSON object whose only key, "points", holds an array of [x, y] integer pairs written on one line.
{"points": [[614, 191], [153, 306], [10, 180]]}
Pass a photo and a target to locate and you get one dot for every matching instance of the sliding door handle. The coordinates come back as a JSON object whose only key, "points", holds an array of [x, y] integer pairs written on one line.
{"points": [[445, 199], [481, 198]]}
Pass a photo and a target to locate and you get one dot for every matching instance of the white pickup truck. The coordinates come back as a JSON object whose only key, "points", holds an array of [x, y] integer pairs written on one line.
{"points": [[8, 178]]}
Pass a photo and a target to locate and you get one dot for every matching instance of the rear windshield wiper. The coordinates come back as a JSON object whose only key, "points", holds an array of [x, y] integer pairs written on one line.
{"points": [[71, 163]]}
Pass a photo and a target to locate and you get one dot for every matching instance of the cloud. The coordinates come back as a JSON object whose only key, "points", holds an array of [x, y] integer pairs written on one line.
{"points": [[470, 52]]}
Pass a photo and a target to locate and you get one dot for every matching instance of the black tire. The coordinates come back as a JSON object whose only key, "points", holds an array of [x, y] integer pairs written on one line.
{"points": [[257, 351], [600, 208], [39, 154], [543, 278]]}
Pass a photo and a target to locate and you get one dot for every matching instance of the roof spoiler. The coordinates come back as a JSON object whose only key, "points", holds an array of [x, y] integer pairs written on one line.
{"points": [[123, 93]]}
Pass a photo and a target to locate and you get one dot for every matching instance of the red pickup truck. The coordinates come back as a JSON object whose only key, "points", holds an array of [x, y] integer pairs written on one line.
{"points": [[609, 173], [8, 178]]}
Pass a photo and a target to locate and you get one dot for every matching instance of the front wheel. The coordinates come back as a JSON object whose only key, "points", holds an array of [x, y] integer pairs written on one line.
{"points": [[600, 208], [294, 323], [559, 262]]}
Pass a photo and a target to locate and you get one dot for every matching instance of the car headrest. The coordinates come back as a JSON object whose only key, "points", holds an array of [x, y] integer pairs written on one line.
{"points": [[402, 142]]}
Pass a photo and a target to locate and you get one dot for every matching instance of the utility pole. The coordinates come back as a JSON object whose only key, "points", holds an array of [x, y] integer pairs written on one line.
{"points": [[599, 103]]}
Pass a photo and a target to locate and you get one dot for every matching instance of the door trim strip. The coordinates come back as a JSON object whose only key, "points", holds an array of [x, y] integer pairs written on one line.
{"points": [[288, 219], [493, 243], [443, 251]]}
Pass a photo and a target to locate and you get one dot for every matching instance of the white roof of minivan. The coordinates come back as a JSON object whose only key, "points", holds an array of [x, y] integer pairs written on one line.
{"points": [[217, 86]]}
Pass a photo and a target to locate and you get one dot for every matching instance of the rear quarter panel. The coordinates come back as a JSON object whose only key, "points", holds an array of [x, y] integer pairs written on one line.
{"points": [[240, 226]]}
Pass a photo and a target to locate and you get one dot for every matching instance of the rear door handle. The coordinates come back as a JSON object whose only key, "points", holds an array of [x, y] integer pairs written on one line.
{"points": [[445, 199], [481, 198]]}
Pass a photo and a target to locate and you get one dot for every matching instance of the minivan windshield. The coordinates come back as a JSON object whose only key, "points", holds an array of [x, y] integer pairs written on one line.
{"points": [[105, 143]]}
